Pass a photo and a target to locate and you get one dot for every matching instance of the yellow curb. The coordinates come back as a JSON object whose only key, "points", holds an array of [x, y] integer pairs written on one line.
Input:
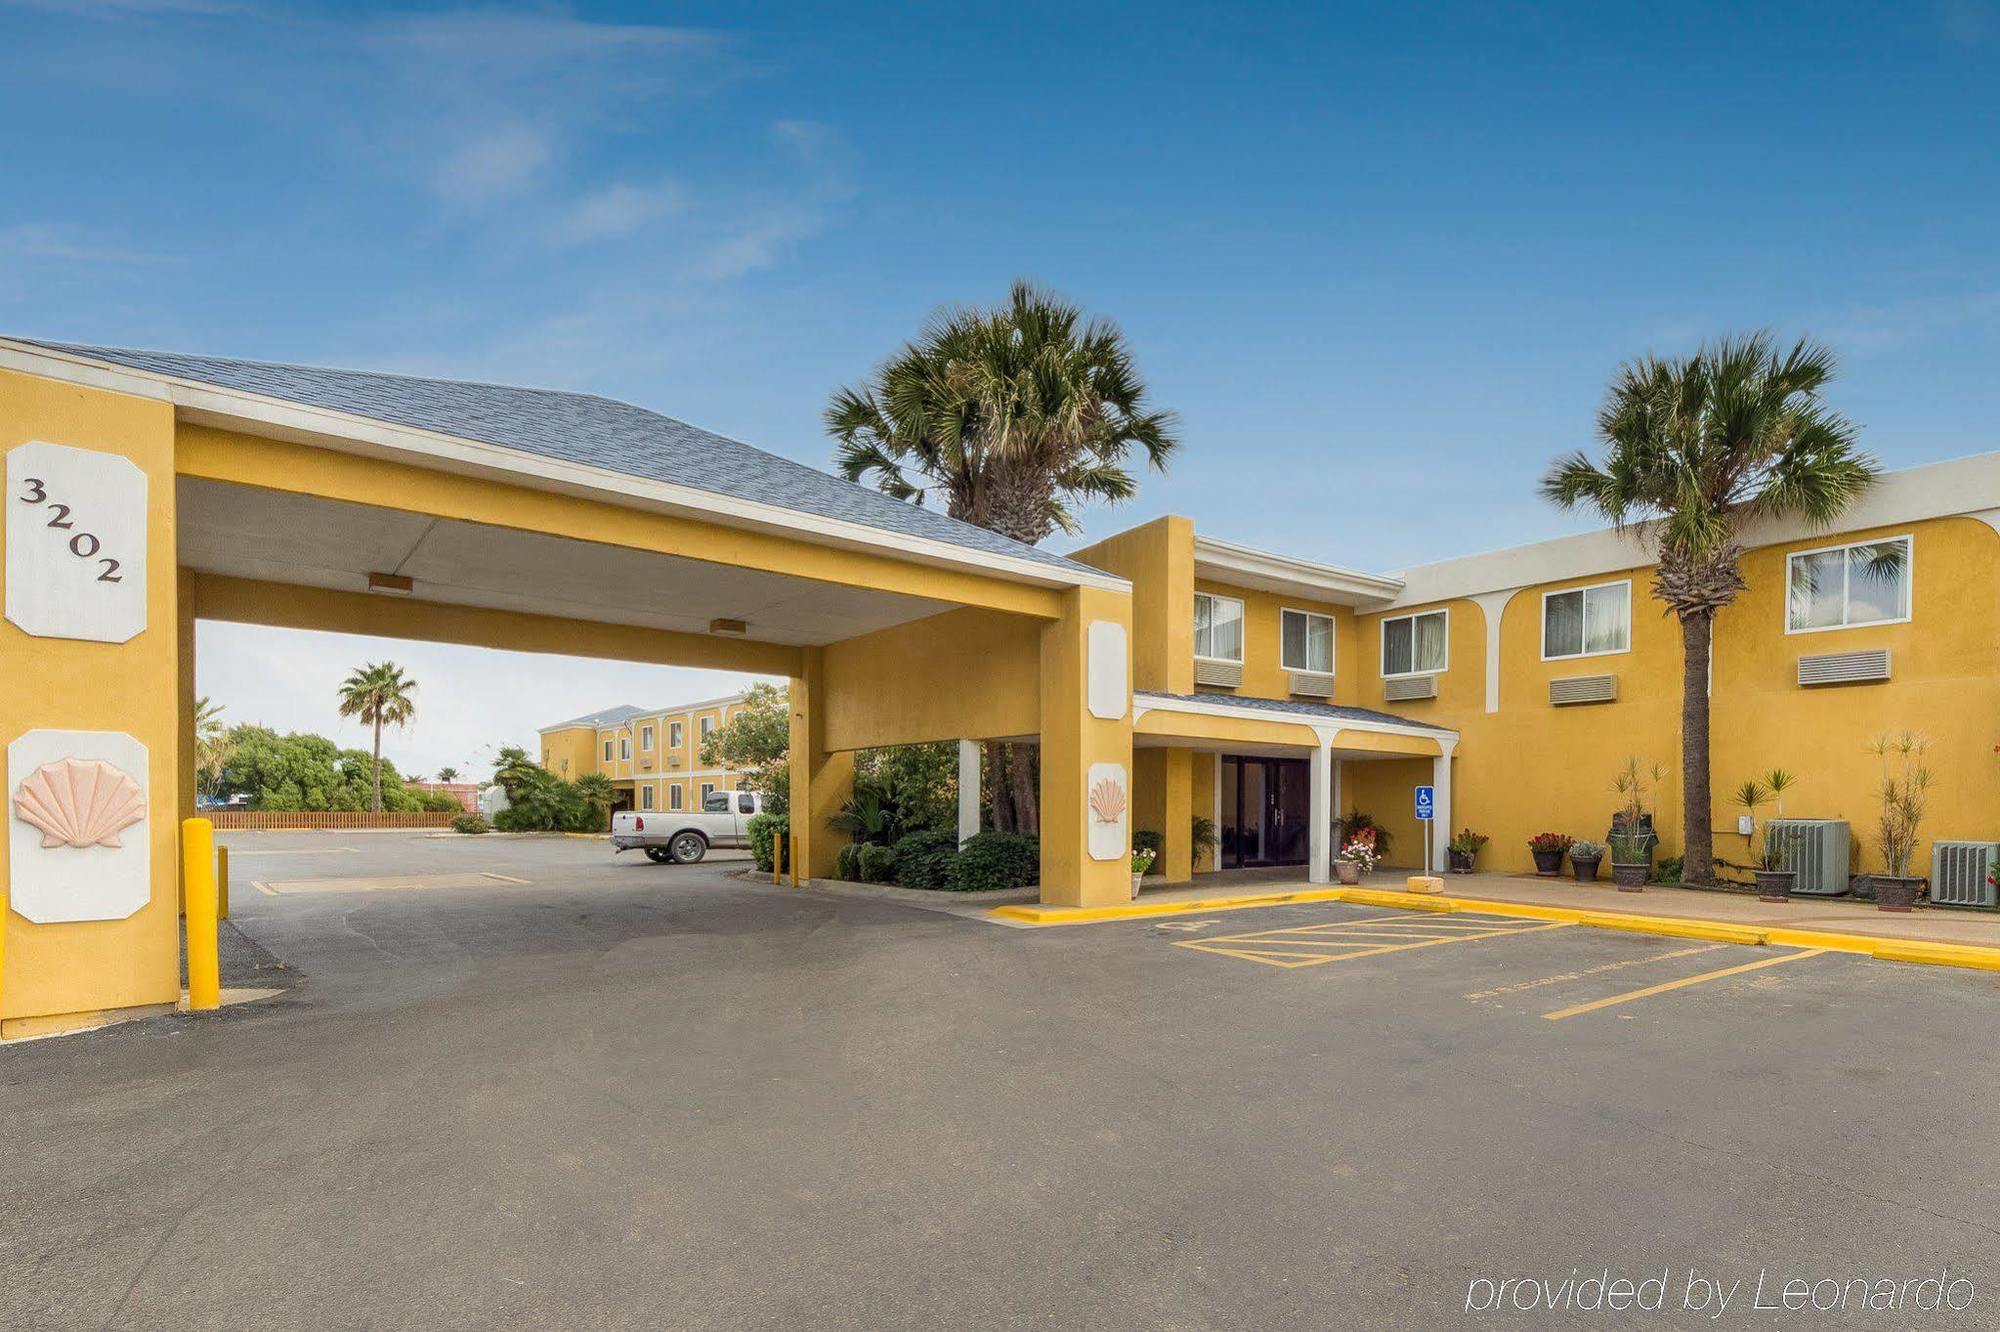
{"points": [[1034, 914], [1384, 897]]}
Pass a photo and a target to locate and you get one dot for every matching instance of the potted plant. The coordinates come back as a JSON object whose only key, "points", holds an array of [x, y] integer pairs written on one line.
{"points": [[1464, 849], [1548, 849], [1906, 784], [1632, 837], [1776, 866], [1357, 857], [1142, 860], [1584, 858]]}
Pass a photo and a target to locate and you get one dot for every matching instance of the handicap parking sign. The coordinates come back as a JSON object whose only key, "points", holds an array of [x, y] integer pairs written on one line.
{"points": [[1426, 800]]}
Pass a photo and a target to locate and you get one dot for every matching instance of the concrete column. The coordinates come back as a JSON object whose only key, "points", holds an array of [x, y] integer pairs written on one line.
{"points": [[968, 789], [1078, 749], [1319, 843], [1339, 809], [1440, 808], [820, 781]]}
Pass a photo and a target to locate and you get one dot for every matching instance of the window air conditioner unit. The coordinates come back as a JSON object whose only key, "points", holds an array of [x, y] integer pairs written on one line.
{"points": [[1583, 689], [1819, 854], [1958, 873], [1844, 667], [1311, 684], [1218, 674], [1410, 687]]}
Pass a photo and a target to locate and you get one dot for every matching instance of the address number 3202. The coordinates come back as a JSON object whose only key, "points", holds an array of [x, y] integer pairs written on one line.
{"points": [[83, 545]]}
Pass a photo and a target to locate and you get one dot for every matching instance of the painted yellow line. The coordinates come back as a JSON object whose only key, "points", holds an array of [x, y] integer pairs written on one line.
{"points": [[264, 888], [1034, 914], [489, 874], [1680, 984], [1624, 964], [1256, 948]]}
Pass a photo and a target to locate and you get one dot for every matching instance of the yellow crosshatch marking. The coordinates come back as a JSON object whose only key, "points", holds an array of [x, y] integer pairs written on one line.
{"points": [[1340, 941]]}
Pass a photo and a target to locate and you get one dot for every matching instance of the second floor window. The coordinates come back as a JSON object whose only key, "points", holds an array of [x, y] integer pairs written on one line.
{"points": [[1218, 627], [1415, 644], [673, 735], [607, 751], [1305, 641], [1868, 583], [707, 725], [624, 746], [646, 740], [1586, 621]]}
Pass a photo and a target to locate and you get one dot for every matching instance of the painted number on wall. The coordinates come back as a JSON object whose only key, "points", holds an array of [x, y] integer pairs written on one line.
{"points": [[76, 543]]}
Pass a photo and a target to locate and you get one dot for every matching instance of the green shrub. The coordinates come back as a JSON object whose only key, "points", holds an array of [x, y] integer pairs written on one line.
{"points": [[847, 865], [469, 823], [1669, 871], [876, 863], [766, 832], [517, 818], [437, 802], [996, 860], [923, 859], [1145, 839]]}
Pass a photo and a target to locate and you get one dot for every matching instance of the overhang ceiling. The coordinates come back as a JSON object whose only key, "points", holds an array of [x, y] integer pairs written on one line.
{"points": [[278, 537]]}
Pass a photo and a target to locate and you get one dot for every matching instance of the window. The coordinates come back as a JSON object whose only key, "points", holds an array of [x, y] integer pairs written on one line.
{"points": [[624, 746], [645, 797], [1587, 621], [1864, 583], [674, 796], [1305, 641], [645, 739], [607, 751], [1416, 644], [673, 735], [707, 790], [1218, 627], [745, 803], [714, 801], [707, 725]]}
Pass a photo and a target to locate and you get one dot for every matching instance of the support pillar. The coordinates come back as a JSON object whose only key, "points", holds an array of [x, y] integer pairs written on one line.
{"points": [[1440, 829], [821, 781], [1319, 841], [1086, 835], [968, 789]]}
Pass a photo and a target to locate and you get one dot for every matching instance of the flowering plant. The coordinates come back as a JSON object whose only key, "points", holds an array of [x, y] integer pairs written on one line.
{"points": [[1142, 859], [1556, 842], [1360, 849]]}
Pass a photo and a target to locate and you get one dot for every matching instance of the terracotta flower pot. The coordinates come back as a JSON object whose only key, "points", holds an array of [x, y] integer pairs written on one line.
{"points": [[1548, 864], [1348, 871], [1775, 885], [1586, 870], [1896, 894], [1631, 878]]}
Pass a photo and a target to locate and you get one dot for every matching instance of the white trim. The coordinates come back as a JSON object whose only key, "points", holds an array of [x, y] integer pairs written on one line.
{"points": [[210, 404], [1325, 727], [1333, 640], [1242, 627], [1909, 589], [1382, 643], [1586, 588], [1493, 606], [1267, 571]]}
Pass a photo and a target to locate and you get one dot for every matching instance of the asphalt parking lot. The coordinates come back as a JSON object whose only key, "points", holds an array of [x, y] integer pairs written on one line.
{"points": [[518, 1082]]}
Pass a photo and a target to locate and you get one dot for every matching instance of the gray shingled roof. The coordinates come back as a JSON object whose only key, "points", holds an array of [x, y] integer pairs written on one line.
{"points": [[608, 717], [1329, 711], [579, 428]]}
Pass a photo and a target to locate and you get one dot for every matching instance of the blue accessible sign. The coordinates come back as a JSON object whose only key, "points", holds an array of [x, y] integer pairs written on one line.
{"points": [[1426, 802]]}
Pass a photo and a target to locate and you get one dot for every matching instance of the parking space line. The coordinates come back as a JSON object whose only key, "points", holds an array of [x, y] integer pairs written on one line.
{"points": [[1682, 983], [1622, 965], [503, 878], [264, 888], [1293, 947]]}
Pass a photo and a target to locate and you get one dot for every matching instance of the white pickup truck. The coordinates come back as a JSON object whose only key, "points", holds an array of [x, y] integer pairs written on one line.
{"points": [[684, 836]]}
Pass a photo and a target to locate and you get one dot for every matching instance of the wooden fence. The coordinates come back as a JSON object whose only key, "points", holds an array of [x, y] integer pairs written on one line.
{"points": [[268, 819]]}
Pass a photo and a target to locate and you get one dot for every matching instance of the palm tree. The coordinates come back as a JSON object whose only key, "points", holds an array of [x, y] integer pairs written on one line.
{"points": [[447, 775], [1696, 446], [1015, 416], [379, 694], [212, 746], [599, 794]]}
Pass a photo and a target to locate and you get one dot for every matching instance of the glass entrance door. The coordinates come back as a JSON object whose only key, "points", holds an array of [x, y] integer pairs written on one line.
{"points": [[1266, 807]]}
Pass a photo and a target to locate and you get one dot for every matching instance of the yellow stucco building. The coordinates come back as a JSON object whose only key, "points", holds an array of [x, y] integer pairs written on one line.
{"points": [[651, 756], [1162, 674]]}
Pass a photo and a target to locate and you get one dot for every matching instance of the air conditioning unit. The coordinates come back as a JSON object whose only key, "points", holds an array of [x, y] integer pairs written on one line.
{"points": [[1311, 684], [1218, 674], [1819, 854], [1958, 873], [1583, 689], [1409, 687], [1844, 667]]}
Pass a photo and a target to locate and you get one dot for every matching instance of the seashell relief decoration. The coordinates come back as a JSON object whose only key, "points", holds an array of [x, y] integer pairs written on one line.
{"points": [[1107, 801], [79, 803]]}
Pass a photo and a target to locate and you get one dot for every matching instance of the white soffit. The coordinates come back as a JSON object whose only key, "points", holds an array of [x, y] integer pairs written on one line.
{"points": [[1242, 566]]}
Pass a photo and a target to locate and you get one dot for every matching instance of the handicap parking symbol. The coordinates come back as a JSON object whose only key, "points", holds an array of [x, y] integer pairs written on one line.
{"points": [[1426, 802]]}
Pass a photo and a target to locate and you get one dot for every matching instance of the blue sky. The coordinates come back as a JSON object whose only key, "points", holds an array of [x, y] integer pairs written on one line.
{"points": [[1381, 262]]}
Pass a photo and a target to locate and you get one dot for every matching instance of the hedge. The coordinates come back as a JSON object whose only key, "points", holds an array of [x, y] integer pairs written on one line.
{"points": [[923, 859], [996, 860], [877, 863], [766, 831]]}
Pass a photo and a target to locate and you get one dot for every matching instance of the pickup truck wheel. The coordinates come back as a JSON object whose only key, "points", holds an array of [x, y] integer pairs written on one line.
{"points": [[658, 855], [687, 848]]}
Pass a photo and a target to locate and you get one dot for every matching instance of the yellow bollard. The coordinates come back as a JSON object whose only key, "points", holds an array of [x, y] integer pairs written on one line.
{"points": [[222, 883], [204, 963]]}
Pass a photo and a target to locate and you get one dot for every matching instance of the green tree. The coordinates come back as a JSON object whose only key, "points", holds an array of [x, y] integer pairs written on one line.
{"points": [[1695, 446], [447, 775], [598, 796], [757, 743], [307, 772], [380, 695], [211, 747], [1014, 416]]}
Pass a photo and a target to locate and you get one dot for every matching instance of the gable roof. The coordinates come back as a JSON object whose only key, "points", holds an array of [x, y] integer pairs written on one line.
{"points": [[609, 717], [581, 428]]}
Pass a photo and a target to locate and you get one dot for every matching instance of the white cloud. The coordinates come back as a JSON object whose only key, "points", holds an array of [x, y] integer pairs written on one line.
{"points": [[54, 240], [616, 211], [492, 166]]}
